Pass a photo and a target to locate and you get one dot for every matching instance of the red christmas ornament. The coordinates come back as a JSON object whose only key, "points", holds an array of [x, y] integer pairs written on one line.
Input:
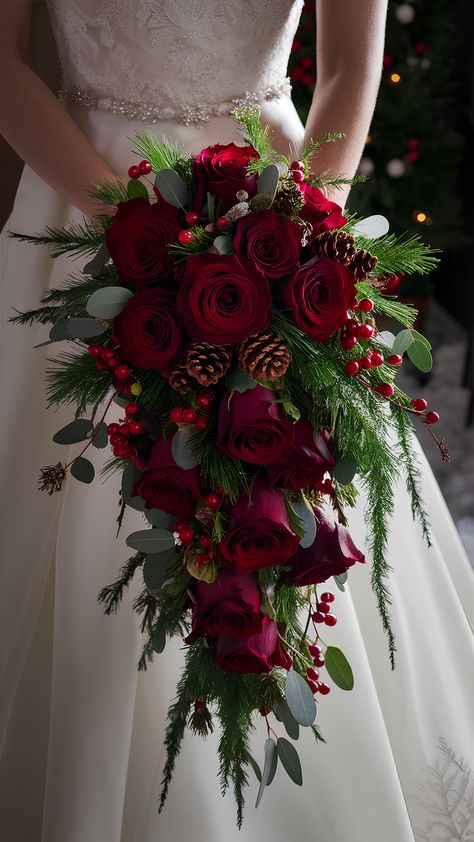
{"points": [[384, 389], [365, 331], [395, 359], [222, 223], [330, 619], [212, 500], [348, 342], [297, 176], [121, 372]]}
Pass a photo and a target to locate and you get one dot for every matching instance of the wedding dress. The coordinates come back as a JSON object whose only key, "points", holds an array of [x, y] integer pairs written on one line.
{"points": [[81, 730]]}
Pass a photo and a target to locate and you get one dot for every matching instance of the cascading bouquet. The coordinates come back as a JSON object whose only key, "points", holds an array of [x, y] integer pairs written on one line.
{"points": [[232, 317]]}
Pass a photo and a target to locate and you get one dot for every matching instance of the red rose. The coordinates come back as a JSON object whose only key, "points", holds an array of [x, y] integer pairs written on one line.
{"points": [[318, 297], [165, 486], [332, 552], [223, 300], [228, 606], [222, 171], [259, 531], [257, 653], [138, 240], [149, 330], [321, 214], [273, 244], [307, 463], [250, 427]]}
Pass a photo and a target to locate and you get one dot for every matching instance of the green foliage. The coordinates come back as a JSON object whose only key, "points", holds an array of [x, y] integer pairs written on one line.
{"points": [[111, 595], [314, 146], [253, 132], [404, 253], [110, 192], [75, 379], [163, 154], [388, 305], [324, 179], [409, 461], [202, 241], [78, 239], [67, 301]]}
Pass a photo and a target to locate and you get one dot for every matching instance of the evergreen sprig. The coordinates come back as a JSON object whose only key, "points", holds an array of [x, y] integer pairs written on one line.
{"points": [[110, 192], [111, 595], [75, 379], [253, 132], [313, 147], [79, 239], [388, 305], [338, 181], [200, 243], [407, 254], [163, 154]]}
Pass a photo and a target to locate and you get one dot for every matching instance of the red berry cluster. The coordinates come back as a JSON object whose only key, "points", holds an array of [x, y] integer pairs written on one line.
{"points": [[354, 332], [297, 171], [111, 359], [121, 436], [201, 541], [143, 168], [420, 406], [188, 415], [323, 610], [312, 675]]}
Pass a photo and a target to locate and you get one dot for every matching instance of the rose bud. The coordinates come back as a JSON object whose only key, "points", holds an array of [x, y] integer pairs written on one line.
{"points": [[331, 554], [257, 653], [321, 214]]}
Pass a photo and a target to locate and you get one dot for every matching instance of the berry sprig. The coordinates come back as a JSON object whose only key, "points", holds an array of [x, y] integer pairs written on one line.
{"points": [[112, 360], [188, 416], [121, 436]]}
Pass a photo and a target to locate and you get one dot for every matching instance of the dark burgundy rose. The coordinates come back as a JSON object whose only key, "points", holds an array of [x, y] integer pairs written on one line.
{"points": [[228, 606], [138, 240], [273, 244], [259, 531], [149, 330], [223, 299], [222, 171], [257, 653], [322, 214], [332, 552], [250, 427], [307, 463], [165, 486], [318, 297]]}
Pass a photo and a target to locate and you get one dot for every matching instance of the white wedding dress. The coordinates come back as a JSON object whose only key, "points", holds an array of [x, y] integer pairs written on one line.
{"points": [[81, 729]]}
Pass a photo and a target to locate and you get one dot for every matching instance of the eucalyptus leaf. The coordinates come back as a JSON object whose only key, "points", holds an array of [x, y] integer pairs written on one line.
{"points": [[172, 188], [386, 338], [129, 477], [305, 513], [122, 402], [290, 760], [340, 580], [269, 768], [74, 432], [268, 180], [182, 452], [421, 338], [151, 540], [94, 267], [100, 439], [239, 381], [83, 470], [155, 569], [291, 410], [158, 640], [83, 328], [299, 698], [372, 227], [339, 668], [420, 356], [253, 763], [285, 715], [136, 189], [157, 517], [60, 330], [223, 244], [345, 470], [402, 342], [108, 302]]}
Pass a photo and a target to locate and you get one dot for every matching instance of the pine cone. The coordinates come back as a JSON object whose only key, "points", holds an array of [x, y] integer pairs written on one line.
{"points": [[336, 245], [264, 356], [207, 362], [206, 516], [289, 199], [363, 263], [181, 380]]}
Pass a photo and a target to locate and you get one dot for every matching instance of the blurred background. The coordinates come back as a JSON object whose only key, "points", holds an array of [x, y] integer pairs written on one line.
{"points": [[417, 160]]}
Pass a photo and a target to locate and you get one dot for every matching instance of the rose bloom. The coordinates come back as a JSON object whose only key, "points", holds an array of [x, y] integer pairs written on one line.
{"points": [[228, 606], [307, 463], [223, 299], [138, 240], [165, 486], [318, 297], [149, 330], [321, 214], [273, 244], [259, 531], [257, 653], [250, 427], [332, 552], [222, 171]]}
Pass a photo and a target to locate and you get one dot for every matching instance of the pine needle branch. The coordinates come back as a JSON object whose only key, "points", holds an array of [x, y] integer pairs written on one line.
{"points": [[253, 132], [412, 471], [388, 305], [111, 596], [314, 146], [78, 239], [338, 181], [406, 254], [163, 154], [75, 379], [109, 192]]}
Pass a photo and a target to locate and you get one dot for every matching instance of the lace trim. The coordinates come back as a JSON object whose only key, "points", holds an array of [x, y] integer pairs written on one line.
{"points": [[196, 113]]}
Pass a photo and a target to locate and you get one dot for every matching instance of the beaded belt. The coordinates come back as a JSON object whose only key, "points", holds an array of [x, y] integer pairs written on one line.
{"points": [[196, 113]]}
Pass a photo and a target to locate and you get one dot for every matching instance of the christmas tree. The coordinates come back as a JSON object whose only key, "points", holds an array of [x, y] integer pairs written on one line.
{"points": [[413, 153]]}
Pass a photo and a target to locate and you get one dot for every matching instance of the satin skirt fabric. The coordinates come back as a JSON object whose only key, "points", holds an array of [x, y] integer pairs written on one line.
{"points": [[81, 730]]}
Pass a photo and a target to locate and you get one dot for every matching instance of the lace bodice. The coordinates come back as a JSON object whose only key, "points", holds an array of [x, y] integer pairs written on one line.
{"points": [[173, 55]]}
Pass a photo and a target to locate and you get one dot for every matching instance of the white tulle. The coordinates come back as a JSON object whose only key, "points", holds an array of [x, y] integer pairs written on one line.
{"points": [[82, 731]]}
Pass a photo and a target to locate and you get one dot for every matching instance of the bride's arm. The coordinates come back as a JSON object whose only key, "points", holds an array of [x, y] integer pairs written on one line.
{"points": [[35, 124], [349, 48]]}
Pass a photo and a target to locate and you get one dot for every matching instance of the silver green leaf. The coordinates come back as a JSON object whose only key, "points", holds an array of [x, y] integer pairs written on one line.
{"points": [[223, 244], [108, 302], [182, 452], [158, 640], [83, 470], [345, 470], [340, 580], [253, 763], [420, 356], [155, 569], [83, 328], [304, 512], [238, 381], [100, 438], [339, 668], [157, 517], [151, 540], [402, 342], [420, 338], [94, 267], [129, 476], [172, 188], [74, 432], [299, 698], [284, 714], [290, 760], [268, 180], [269, 767]]}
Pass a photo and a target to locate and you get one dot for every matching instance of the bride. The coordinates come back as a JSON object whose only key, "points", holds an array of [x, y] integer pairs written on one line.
{"points": [[81, 731]]}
